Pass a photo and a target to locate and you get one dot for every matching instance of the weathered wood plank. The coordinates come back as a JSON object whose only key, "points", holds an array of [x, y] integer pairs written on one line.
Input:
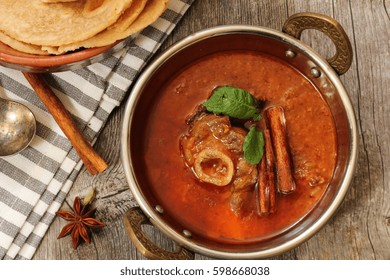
{"points": [[371, 207], [361, 228]]}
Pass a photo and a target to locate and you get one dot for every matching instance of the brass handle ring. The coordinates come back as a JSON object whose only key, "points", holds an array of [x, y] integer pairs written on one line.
{"points": [[133, 220], [342, 60]]}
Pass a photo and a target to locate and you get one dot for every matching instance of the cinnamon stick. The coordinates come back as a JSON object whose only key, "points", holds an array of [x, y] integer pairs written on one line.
{"points": [[277, 126], [92, 161], [266, 179], [270, 168], [263, 188]]}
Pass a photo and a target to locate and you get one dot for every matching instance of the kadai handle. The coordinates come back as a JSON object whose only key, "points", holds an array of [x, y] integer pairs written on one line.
{"points": [[297, 23]]}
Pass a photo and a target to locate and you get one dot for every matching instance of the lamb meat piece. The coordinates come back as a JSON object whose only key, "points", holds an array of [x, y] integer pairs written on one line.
{"points": [[213, 149]]}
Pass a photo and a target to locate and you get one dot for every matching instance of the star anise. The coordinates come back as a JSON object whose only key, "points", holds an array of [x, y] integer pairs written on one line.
{"points": [[81, 222]]}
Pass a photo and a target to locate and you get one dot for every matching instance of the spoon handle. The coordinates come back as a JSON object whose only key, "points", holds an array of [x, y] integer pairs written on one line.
{"points": [[92, 161]]}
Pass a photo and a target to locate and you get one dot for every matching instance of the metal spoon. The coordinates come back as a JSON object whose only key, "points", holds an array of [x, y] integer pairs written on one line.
{"points": [[17, 127]]}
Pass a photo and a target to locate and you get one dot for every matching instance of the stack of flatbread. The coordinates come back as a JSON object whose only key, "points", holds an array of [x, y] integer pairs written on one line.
{"points": [[48, 27]]}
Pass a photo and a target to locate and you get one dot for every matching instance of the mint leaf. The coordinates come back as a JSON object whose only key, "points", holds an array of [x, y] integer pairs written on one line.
{"points": [[253, 146], [233, 102]]}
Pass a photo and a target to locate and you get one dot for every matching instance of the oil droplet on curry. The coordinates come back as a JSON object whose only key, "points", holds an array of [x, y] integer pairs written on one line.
{"points": [[207, 204]]}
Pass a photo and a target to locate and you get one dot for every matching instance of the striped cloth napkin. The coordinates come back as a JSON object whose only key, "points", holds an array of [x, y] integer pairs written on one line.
{"points": [[35, 182]]}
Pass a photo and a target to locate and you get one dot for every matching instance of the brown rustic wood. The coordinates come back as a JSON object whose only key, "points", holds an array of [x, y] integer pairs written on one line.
{"points": [[361, 227]]}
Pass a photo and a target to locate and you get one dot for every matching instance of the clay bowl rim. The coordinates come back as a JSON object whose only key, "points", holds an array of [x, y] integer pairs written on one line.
{"points": [[18, 60]]}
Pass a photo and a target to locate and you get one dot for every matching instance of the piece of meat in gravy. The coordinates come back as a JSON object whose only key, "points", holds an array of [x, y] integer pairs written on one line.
{"points": [[213, 149]]}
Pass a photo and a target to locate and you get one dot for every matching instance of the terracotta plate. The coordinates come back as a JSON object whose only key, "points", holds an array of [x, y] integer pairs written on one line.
{"points": [[12, 58]]}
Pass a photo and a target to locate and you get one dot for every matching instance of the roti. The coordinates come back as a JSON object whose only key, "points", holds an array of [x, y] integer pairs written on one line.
{"points": [[57, 1], [134, 16], [55, 24], [113, 33], [20, 46]]}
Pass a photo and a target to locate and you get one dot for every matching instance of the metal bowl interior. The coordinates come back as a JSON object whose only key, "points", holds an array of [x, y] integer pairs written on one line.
{"points": [[14, 59], [262, 40]]}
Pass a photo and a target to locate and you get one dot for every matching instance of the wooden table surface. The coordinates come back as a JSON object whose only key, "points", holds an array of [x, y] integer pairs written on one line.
{"points": [[361, 227]]}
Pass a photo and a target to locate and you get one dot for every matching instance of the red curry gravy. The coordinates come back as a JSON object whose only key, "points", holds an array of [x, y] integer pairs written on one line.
{"points": [[204, 209]]}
